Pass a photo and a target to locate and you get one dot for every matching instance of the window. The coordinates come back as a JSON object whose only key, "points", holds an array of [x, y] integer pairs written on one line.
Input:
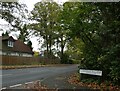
{"points": [[10, 43]]}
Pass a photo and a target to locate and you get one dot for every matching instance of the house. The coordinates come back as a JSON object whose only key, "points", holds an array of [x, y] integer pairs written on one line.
{"points": [[13, 47]]}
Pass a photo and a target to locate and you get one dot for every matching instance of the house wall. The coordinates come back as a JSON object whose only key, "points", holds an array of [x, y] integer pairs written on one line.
{"points": [[15, 54], [26, 55], [3, 53]]}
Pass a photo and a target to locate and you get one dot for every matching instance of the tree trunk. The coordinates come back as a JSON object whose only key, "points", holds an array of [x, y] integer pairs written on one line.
{"points": [[62, 50], [47, 46], [50, 44]]}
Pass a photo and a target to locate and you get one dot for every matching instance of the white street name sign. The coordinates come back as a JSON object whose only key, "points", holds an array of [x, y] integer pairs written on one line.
{"points": [[91, 72]]}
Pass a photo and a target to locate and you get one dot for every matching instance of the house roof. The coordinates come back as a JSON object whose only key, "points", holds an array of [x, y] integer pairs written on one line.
{"points": [[6, 37], [18, 46], [21, 47]]}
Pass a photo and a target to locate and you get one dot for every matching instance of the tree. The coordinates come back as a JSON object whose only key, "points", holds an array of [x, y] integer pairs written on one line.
{"points": [[109, 38], [63, 31], [75, 49], [7, 10], [16, 15], [45, 15], [97, 25], [5, 34], [29, 43]]}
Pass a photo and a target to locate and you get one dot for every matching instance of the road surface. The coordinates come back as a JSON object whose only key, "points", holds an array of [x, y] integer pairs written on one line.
{"points": [[20, 76]]}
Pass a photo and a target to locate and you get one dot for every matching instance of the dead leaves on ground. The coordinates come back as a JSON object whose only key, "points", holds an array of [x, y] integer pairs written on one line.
{"points": [[37, 86], [74, 79]]}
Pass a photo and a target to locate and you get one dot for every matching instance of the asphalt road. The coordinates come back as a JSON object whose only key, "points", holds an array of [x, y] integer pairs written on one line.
{"points": [[21, 76]]}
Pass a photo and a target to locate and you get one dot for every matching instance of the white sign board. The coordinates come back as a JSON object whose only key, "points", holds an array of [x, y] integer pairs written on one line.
{"points": [[91, 72]]}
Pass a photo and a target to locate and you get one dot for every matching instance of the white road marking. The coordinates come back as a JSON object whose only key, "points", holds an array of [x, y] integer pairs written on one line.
{"points": [[5, 74], [28, 82], [2, 88], [15, 85]]}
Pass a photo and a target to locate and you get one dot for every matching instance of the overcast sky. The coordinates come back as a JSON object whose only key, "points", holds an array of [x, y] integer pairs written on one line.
{"points": [[30, 3]]}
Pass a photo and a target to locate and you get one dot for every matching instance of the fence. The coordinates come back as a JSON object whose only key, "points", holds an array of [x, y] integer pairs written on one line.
{"points": [[17, 60]]}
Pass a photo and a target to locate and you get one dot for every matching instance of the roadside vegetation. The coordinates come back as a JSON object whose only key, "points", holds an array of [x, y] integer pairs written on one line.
{"points": [[92, 84], [85, 33]]}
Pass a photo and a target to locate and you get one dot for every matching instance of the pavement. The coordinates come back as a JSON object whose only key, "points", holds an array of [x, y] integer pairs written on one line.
{"points": [[61, 82], [5, 67]]}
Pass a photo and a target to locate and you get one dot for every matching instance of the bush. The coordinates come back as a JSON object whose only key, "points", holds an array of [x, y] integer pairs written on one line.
{"points": [[65, 59]]}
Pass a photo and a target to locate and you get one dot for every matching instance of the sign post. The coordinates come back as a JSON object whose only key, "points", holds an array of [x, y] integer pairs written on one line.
{"points": [[90, 72]]}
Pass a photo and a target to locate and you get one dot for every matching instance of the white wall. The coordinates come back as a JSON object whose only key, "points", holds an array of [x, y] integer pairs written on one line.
{"points": [[3, 53], [26, 55], [16, 54]]}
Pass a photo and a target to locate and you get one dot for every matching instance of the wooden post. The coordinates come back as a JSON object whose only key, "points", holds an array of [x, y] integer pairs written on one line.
{"points": [[80, 76]]}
